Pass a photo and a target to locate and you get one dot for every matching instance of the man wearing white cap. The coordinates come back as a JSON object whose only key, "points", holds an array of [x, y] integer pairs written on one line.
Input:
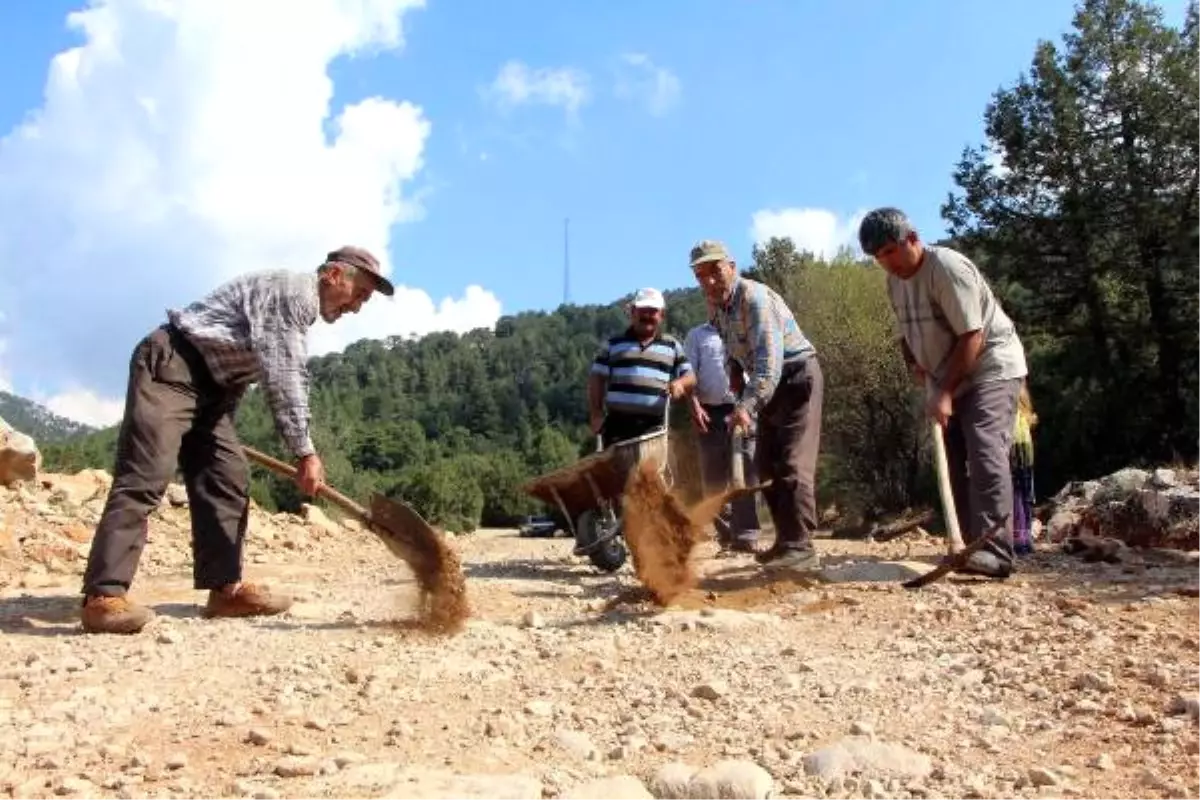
{"points": [[635, 372]]}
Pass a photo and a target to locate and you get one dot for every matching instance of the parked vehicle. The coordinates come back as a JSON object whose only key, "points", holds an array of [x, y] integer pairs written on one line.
{"points": [[540, 526]]}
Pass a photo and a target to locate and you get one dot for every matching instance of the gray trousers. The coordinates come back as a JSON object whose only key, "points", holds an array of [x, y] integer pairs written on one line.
{"points": [[738, 521], [978, 438], [175, 415]]}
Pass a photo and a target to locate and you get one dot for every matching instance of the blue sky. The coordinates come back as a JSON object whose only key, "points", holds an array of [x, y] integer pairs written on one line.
{"points": [[649, 125]]}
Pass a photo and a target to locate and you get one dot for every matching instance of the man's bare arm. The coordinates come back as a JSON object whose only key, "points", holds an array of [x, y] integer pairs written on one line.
{"points": [[962, 360], [596, 385], [687, 382]]}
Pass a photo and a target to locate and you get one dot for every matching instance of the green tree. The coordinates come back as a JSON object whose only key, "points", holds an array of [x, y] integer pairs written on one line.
{"points": [[1089, 230]]}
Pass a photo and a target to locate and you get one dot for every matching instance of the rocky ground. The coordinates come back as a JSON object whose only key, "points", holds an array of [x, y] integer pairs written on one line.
{"points": [[1071, 679]]}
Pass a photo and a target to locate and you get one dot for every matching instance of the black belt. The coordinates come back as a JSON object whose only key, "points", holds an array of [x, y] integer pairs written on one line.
{"points": [[793, 368]]}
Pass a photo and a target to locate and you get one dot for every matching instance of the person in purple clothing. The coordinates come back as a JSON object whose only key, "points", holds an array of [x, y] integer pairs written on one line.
{"points": [[1021, 461]]}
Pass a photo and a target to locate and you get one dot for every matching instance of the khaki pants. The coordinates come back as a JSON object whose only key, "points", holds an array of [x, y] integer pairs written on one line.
{"points": [[175, 415]]}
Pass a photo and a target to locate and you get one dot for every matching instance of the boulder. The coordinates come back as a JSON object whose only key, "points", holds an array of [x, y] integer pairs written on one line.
{"points": [[1141, 508], [20, 459]]}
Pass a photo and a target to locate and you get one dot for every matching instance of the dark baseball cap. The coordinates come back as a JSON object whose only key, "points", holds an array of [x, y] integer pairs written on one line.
{"points": [[360, 258]]}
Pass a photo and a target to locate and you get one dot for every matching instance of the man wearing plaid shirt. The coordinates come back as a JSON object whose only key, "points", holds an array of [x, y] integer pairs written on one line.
{"points": [[185, 381], [782, 386]]}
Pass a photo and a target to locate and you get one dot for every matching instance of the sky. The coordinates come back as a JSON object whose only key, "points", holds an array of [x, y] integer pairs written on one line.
{"points": [[152, 149]]}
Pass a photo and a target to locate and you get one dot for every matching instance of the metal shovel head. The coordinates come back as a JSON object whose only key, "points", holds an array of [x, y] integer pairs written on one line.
{"points": [[950, 563], [407, 534]]}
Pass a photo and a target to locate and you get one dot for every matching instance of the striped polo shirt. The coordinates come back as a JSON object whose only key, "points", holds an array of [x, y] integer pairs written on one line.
{"points": [[638, 374]]}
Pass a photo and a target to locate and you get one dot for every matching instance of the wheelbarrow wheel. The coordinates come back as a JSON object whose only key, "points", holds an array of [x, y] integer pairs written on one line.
{"points": [[608, 555]]}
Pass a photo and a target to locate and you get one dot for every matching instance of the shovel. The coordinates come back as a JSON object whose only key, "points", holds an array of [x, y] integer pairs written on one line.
{"points": [[954, 540], [737, 468], [406, 534], [954, 561]]}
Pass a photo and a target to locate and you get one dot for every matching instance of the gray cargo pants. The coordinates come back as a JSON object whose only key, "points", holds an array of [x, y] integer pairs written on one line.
{"points": [[978, 438]]}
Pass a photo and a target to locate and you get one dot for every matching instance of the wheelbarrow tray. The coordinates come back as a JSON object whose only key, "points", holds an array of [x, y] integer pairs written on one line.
{"points": [[596, 478]]}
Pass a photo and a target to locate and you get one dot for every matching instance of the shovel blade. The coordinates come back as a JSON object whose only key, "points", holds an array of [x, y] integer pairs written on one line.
{"points": [[406, 533], [952, 562]]}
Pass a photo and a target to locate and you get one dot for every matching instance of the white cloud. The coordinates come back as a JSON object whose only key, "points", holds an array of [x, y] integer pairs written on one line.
{"points": [[518, 84], [817, 230], [477, 308], [181, 144], [642, 80], [84, 405]]}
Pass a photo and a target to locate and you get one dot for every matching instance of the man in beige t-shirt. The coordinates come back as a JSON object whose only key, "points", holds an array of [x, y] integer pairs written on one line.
{"points": [[959, 342]]}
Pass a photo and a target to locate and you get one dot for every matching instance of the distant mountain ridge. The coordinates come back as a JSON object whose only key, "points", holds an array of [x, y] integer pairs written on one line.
{"points": [[38, 421]]}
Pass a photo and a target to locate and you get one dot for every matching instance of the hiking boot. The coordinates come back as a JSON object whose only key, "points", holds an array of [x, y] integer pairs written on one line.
{"points": [[745, 547], [113, 614], [245, 600], [789, 558]]}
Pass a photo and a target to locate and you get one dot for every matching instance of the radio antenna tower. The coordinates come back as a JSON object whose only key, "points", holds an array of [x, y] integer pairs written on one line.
{"points": [[566, 261]]}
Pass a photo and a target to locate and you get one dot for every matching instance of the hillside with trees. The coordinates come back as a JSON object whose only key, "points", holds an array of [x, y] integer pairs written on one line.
{"points": [[38, 421], [454, 424], [1087, 230]]}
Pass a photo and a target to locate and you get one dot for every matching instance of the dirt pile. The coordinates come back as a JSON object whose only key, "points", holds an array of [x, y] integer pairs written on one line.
{"points": [[46, 529], [19, 456]]}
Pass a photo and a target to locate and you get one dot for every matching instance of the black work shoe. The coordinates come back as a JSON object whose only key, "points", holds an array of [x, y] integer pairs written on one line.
{"points": [[986, 564], [789, 558]]}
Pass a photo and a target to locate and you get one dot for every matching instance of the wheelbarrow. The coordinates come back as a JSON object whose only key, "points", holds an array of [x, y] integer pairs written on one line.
{"points": [[589, 492]]}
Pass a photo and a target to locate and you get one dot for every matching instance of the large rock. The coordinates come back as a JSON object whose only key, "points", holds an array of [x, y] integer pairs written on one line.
{"points": [[730, 779], [873, 571], [618, 787], [1158, 508], [389, 779], [20, 459], [85, 486], [867, 758]]}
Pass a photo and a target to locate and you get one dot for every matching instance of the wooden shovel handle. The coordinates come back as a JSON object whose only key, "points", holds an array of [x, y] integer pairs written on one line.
{"points": [[737, 466], [954, 540], [329, 493]]}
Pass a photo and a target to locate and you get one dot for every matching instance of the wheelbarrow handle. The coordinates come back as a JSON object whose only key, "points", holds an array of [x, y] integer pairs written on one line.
{"points": [[329, 493], [666, 423]]}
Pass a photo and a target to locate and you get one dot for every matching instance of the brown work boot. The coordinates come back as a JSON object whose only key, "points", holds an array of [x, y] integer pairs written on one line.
{"points": [[245, 600], [113, 614]]}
